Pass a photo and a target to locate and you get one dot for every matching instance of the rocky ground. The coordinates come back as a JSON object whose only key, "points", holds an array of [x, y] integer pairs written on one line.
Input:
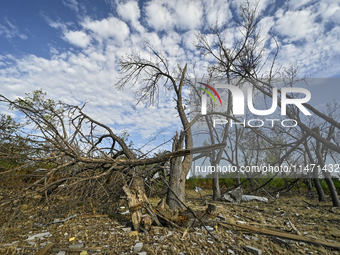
{"points": [[77, 233]]}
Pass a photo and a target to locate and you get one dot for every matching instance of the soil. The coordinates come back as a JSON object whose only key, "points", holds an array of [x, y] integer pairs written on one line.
{"points": [[110, 235]]}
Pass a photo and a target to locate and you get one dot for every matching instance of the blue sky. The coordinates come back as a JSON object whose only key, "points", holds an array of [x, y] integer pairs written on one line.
{"points": [[70, 49]]}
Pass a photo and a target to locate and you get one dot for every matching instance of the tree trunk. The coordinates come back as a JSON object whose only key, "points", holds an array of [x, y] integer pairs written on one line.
{"points": [[216, 186], [309, 185], [319, 190], [327, 175], [177, 177], [135, 196]]}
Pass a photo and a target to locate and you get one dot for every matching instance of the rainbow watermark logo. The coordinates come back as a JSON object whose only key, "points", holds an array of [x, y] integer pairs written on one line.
{"points": [[239, 99], [207, 91]]}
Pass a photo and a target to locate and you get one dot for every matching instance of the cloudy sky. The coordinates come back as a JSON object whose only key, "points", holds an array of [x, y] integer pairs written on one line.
{"points": [[70, 49]]}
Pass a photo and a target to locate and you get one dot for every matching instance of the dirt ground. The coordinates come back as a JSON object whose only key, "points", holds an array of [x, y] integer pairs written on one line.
{"points": [[111, 235]]}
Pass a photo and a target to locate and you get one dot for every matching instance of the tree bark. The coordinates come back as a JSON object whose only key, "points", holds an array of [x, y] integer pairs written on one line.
{"points": [[319, 190], [177, 177], [327, 175], [216, 185]]}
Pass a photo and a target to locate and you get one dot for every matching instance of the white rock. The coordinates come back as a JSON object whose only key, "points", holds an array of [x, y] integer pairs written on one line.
{"points": [[76, 246], [253, 250], [250, 198], [241, 222], [138, 247], [9, 244], [37, 235], [208, 228]]}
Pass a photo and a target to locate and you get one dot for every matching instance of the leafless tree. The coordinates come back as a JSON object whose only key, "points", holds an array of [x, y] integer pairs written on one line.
{"points": [[82, 159]]}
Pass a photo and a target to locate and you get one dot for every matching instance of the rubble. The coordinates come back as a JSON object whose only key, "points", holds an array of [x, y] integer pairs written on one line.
{"points": [[250, 198], [253, 250], [138, 247], [30, 238]]}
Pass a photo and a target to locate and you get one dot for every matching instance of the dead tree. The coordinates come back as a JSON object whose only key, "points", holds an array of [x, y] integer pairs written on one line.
{"points": [[83, 158], [155, 74], [232, 64]]}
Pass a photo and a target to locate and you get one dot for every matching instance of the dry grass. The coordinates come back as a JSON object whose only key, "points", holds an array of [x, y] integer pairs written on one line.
{"points": [[106, 233]]}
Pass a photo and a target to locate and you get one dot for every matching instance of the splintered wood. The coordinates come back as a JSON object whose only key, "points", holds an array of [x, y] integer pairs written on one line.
{"points": [[284, 235]]}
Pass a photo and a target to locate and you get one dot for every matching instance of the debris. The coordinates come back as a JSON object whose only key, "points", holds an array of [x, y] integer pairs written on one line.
{"points": [[93, 216], [76, 246], [228, 198], [71, 239], [197, 189], [230, 251], [83, 253], [45, 250], [61, 253], [56, 221], [241, 222], [39, 170], [212, 209], [138, 247], [133, 233], [142, 253], [285, 235], [162, 206], [10, 244], [234, 196], [221, 217], [253, 250], [250, 198], [277, 195], [147, 221], [294, 229], [37, 235], [280, 241], [127, 230], [124, 213], [208, 228]]}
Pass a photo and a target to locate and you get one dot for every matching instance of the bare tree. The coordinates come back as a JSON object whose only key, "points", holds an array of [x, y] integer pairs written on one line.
{"points": [[235, 56], [244, 60], [154, 75], [82, 159]]}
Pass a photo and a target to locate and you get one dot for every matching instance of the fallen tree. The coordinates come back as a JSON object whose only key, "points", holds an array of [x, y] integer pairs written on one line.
{"points": [[81, 158]]}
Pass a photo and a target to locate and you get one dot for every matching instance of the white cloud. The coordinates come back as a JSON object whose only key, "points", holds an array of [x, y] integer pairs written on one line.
{"points": [[159, 17], [130, 12], [72, 4], [189, 14], [296, 4], [262, 5], [216, 11], [330, 11], [188, 39], [90, 74], [9, 31], [166, 15], [298, 25], [78, 38], [266, 24], [107, 28]]}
